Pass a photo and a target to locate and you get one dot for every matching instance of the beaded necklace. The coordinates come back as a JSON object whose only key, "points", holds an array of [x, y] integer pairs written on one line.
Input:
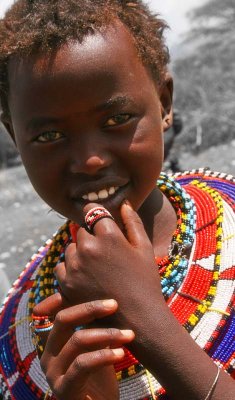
{"points": [[200, 290], [204, 303], [174, 267]]}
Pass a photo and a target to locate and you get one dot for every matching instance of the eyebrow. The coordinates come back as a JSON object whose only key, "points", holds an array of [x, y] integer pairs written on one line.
{"points": [[116, 101], [39, 122]]}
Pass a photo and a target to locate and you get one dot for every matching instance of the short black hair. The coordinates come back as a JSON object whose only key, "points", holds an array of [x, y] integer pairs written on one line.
{"points": [[32, 25]]}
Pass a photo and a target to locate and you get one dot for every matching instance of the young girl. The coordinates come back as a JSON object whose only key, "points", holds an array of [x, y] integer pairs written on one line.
{"points": [[133, 298]]}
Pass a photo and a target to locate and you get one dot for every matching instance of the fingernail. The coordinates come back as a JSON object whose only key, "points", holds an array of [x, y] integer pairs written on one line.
{"points": [[128, 333], [118, 352], [128, 204], [109, 303]]}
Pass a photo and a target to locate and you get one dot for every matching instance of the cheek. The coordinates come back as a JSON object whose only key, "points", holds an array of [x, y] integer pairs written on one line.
{"points": [[144, 160], [45, 174], [146, 150], [148, 138], [42, 161]]}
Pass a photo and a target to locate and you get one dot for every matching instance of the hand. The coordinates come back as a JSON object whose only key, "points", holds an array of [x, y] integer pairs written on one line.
{"points": [[111, 264], [79, 364]]}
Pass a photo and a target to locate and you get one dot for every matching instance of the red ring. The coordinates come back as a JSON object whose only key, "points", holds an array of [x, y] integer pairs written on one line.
{"points": [[94, 215]]}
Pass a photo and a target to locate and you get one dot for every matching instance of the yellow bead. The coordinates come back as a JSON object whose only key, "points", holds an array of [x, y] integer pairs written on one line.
{"points": [[216, 275], [212, 290], [131, 370], [119, 375], [218, 259], [193, 319], [202, 308]]}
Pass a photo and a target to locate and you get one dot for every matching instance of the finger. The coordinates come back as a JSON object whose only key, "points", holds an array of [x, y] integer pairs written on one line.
{"points": [[104, 225], [71, 263], [69, 319], [84, 365], [51, 305], [133, 224], [71, 256], [60, 274], [88, 340]]}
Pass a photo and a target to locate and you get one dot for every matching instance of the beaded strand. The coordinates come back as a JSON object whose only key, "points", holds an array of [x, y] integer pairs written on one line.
{"points": [[203, 294], [202, 308], [173, 268]]}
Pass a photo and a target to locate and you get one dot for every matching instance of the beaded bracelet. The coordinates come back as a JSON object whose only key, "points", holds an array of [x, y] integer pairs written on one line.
{"points": [[40, 325], [208, 396]]}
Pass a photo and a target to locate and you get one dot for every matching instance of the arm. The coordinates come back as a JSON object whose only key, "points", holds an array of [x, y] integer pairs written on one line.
{"points": [[169, 352], [109, 264]]}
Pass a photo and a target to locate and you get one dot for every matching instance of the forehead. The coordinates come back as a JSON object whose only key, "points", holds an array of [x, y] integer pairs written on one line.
{"points": [[102, 63]]}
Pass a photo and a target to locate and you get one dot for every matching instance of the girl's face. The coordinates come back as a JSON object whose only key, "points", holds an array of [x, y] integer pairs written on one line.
{"points": [[88, 122]]}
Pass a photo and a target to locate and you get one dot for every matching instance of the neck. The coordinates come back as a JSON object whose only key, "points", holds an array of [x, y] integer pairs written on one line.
{"points": [[159, 219]]}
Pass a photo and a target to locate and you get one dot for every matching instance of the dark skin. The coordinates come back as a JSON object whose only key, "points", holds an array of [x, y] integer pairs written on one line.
{"points": [[95, 116], [79, 365]]}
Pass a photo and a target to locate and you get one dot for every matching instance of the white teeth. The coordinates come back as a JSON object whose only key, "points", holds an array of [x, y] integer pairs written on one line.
{"points": [[102, 194], [112, 190], [92, 196]]}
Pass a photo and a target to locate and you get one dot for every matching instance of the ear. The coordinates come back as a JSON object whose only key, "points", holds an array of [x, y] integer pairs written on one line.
{"points": [[6, 121], [166, 96]]}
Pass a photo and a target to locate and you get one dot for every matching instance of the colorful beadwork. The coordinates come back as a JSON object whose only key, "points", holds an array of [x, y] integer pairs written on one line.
{"points": [[94, 215], [198, 282], [173, 268]]}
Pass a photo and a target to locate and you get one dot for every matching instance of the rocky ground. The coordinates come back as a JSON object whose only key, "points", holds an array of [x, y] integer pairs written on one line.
{"points": [[220, 158], [26, 221]]}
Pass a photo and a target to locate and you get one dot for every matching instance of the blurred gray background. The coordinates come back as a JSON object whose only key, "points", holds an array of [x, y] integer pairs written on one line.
{"points": [[202, 45]]}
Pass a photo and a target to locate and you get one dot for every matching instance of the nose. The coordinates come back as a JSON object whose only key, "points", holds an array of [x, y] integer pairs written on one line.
{"points": [[89, 158]]}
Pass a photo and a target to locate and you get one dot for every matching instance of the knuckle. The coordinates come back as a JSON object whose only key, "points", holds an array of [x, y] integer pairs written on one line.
{"points": [[101, 353], [59, 318], [73, 263], [91, 307], [75, 339], [80, 364], [112, 332], [86, 248], [70, 249]]}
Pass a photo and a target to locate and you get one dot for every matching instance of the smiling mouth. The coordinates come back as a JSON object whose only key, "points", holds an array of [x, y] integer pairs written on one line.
{"points": [[101, 194]]}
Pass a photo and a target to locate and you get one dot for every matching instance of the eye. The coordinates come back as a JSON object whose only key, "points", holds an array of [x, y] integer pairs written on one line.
{"points": [[118, 119], [51, 136]]}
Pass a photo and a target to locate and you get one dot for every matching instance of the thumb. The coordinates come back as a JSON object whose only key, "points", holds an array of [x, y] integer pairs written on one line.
{"points": [[133, 224]]}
